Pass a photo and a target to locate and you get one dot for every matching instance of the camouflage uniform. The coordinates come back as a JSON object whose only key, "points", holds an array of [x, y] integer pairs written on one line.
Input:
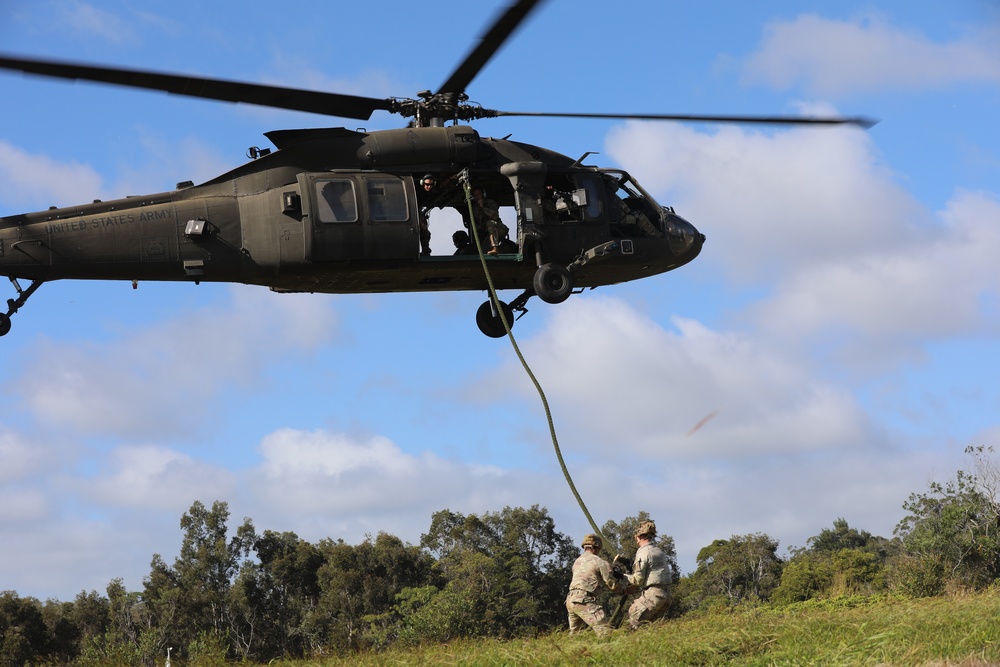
{"points": [[590, 573], [487, 219], [651, 575]]}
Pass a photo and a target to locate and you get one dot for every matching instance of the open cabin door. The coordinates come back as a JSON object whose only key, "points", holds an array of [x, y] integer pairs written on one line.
{"points": [[359, 216]]}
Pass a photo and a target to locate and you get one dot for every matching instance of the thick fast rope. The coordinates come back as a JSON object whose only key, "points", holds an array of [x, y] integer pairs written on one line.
{"points": [[527, 369]]}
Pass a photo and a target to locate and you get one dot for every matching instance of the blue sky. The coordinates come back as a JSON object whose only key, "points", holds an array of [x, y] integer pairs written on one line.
{"points": [[841, 323]]}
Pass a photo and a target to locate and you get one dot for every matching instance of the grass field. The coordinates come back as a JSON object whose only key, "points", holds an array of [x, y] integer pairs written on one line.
{"points": [[952, 630]]}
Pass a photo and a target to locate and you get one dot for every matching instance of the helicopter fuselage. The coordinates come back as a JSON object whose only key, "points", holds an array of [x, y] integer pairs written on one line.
{"points": [[338, 211]]}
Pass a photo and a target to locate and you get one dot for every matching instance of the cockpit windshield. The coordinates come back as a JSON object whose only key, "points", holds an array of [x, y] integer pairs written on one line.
{"points": [[630, 208]]}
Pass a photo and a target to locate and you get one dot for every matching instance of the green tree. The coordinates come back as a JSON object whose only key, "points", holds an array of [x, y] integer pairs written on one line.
{"points": [[506, 571], [272, 596], [191, 598], [957, 525], [24, 637], [841, 536], [839, 561], [806, 576], [826, 574], [742, 568], [72, 624], [430, 614], [358, 588]]}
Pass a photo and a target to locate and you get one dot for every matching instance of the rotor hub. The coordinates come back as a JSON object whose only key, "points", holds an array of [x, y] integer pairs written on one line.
{"points": [[443, 106]]}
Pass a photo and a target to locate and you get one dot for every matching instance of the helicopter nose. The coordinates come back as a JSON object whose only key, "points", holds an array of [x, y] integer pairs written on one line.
{"points": [[685, 240]]}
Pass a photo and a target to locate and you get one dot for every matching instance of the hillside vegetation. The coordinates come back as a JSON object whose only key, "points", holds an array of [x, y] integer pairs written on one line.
{"points": [[947, 630]]}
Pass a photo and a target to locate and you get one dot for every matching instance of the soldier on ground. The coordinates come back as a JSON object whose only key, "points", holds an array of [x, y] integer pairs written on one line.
{"points": [[650, 578], [591, 574]]}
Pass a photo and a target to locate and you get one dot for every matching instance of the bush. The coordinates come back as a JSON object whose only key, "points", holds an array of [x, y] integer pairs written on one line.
{"points": [[916, 576]]}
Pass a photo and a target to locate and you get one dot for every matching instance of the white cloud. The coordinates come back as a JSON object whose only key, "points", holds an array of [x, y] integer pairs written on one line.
{"points": [[30, 181], [22, 505], [106, 387], [831, 57], [791, 495], [771, 202], [321, 483], [615, 376], [20, 458], [149, 478], [885, 306], [846, 257]]}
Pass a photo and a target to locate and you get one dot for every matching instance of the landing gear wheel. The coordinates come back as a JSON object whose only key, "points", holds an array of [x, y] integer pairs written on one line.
{"points": [[553, 283], [4, 324], [489, 321]]}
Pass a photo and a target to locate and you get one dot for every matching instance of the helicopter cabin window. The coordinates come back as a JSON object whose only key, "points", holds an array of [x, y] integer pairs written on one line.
{"points": [[572, 198], [387, 200], [591, 185], [336, 201]]}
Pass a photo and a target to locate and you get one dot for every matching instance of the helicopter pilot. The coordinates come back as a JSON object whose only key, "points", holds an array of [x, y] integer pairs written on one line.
{"points": [[627, 220]]}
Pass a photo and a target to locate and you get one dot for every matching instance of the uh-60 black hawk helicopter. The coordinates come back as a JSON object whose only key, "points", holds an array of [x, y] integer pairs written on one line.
{"points": [[339, 211]]}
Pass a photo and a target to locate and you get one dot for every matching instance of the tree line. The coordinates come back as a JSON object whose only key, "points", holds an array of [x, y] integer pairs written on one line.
{"points": [[256, 596]]}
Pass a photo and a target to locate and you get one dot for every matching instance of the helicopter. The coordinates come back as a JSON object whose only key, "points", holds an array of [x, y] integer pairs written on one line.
{"points": [[340, 211]]}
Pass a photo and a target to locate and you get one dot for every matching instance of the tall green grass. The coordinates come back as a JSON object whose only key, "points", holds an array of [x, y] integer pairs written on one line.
{"points": [[955, 630]]}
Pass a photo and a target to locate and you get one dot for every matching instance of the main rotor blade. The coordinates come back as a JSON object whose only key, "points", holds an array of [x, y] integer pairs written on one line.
{"points": [[489, 43], [329, 104], [860, 121]]}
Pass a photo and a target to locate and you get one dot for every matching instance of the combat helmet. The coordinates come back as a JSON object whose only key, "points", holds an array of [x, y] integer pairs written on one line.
{"points": [[591, 540], [646, 529]]}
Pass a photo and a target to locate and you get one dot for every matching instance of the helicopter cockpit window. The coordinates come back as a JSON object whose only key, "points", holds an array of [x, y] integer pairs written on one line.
{"points": [[631, 211], [387, 200], [336, 201]]}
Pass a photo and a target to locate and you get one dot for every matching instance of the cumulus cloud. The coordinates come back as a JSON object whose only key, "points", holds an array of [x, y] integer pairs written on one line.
{"points": [[20, 458], [106, 387], [644, 388], [831, 57], [342, 485], [29, 181], [319, 484], [150, 478], [936, 289], [824, 230], [773, 202]]}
